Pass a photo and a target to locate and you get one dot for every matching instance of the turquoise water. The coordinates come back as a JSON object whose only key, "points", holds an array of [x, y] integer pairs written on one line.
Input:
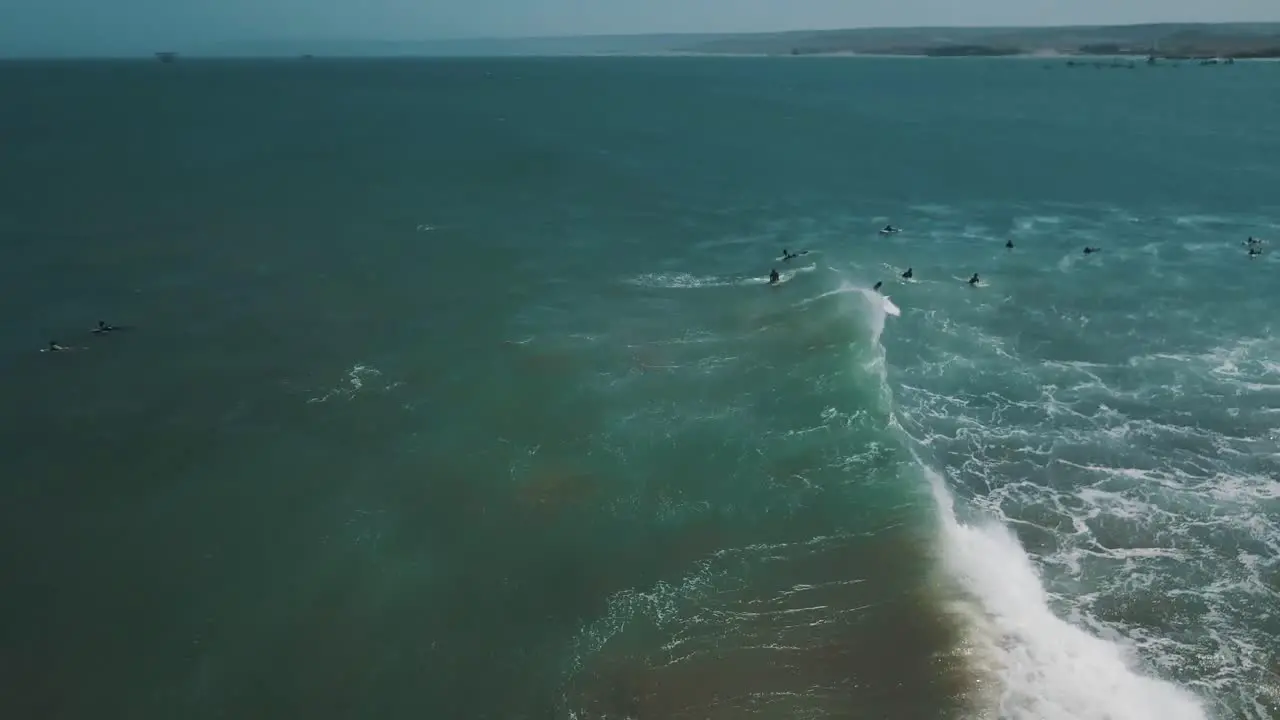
{"points": [[457, 389]]}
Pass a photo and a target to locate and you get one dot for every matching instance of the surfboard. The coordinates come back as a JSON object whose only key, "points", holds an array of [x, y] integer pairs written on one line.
{"points": [[785, 258], [890, 308]]}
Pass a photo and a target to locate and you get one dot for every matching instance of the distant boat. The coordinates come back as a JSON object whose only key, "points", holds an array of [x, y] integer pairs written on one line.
{"points": [[166, 57]]}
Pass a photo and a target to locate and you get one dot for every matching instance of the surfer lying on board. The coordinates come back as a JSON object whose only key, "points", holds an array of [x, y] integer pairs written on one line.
{"points": [[888, 230], [908, 274], [773, 276], [103, 328], [974, 280], [788, 255], [55, 347], [1091, 250]]}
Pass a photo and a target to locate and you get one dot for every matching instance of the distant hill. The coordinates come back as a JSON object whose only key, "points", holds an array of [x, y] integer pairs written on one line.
{"points": [[1171, 39], [1161, 39]]}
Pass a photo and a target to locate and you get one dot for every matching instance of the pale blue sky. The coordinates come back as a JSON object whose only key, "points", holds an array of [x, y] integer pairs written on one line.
{"points": [[113, 26]]}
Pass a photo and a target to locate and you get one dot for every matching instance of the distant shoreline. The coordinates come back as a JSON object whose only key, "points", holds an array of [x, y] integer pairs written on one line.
{"points": [[1012, 55], [1164, 41], [1078, 58]]}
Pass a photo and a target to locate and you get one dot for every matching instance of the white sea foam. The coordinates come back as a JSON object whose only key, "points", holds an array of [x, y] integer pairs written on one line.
{"points": [[1149, 525], [683, 280], [1048, 666], [352, 384], [1048, 669], [678, 280]]}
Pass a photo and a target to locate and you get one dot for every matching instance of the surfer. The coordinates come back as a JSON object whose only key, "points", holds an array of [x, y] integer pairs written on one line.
{"points": [[104, 328], [1254, 252], [974, 280], [773, 276], [55, 347], [908, 274], [877, 286], [888, 230], [1009, 244], [1091, 250]]}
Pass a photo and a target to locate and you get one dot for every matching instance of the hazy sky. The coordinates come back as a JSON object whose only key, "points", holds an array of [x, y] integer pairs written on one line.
{"points": [[96, 26]]}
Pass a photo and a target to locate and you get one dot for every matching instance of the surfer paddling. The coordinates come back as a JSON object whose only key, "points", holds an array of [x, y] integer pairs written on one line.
{"points": [[55, 346]]}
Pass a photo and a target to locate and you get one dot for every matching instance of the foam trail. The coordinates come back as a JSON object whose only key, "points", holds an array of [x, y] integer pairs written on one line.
{"points": [[1048, 668]]}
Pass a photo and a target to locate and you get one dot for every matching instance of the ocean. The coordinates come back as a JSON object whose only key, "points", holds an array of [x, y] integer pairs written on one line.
{"points": [[457, 389]]}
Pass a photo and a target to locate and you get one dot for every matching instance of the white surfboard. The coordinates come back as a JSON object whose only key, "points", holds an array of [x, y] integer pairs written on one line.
{"points": [[890, 308]]}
